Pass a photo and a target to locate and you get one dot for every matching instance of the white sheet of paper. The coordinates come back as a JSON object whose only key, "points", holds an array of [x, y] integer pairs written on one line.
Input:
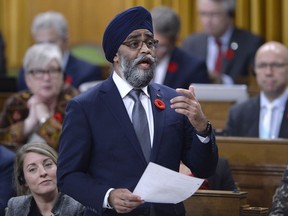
{"points": [[161, 185]]}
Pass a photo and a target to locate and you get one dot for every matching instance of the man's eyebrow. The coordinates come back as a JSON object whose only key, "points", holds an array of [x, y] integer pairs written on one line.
{"points": [[133, 36]]}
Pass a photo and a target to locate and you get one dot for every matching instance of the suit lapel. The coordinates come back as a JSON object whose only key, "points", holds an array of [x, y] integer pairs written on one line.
{"points": [[158, 119], [283, 133], [254, 124], [112, 99], [227, 63], [171, 73]]}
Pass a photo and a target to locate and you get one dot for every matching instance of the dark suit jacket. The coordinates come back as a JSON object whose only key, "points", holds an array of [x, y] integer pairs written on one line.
{"points": [[2, 57], [184, 69], [99, 148], [236, 65], [222, 179], [6, 177], [64, 205], [243, 119], [76, 72]]}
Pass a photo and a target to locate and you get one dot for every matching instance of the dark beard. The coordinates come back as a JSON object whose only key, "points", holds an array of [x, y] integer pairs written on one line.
{"points": [[136, 77]]}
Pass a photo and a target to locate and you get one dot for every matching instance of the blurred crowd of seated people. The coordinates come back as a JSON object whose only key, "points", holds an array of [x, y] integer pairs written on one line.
{"points": [[50, 76], [52, 27]]}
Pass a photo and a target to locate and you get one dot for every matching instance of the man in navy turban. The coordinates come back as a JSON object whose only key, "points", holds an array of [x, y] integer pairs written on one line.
{"points": [[121, 26], [101, 128]]}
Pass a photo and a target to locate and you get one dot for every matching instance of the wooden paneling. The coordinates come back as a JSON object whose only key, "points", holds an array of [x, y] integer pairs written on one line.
{"points": [[257, 165], [217, 112]]}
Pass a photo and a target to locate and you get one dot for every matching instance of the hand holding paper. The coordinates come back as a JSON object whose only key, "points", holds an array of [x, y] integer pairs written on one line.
{"points": [[161, 185]]}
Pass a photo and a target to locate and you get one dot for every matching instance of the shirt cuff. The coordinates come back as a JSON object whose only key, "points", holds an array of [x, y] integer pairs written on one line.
{"points": [[105, 202]]}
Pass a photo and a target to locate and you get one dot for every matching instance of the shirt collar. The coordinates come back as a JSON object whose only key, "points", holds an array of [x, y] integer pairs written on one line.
{"points": [[124, 87], [278, 102], [225, 38]]}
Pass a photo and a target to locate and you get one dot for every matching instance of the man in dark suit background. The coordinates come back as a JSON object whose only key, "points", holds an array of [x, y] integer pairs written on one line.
{"points": [[100, 156], [238, 46], [51, 27], [2, 56], [222, 179], [249, 117], [175, 67], [7, 190]]}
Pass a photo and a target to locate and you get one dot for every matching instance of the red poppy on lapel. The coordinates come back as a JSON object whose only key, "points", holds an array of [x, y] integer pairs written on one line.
{"points": [[229, 54], [159, 104], [68, 79], [172, 67], [58, 116]]}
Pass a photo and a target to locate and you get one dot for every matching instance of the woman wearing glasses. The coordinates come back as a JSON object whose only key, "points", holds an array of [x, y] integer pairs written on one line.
{"points": [[36, 114]]}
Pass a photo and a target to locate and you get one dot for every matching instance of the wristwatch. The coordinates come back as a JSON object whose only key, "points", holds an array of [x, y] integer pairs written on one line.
{"points": [[207, 131]]}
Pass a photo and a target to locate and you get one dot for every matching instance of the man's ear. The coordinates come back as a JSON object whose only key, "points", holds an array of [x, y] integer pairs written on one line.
{"points": [[116, 58]]}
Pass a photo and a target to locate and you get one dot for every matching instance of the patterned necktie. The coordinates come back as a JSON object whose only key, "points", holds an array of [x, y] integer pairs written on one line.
{"points": [[140, 123]]}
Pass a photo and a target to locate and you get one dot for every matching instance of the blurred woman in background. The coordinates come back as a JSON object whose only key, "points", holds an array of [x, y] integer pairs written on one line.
{"points": [[36, 114]]}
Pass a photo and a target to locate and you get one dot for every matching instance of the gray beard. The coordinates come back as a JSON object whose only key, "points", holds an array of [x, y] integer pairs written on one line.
{"points": [[136, 77]]}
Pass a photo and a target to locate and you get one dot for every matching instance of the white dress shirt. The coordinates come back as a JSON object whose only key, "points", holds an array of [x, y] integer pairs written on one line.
{"points": [[161, 70], [124, 88], [278, 111]]}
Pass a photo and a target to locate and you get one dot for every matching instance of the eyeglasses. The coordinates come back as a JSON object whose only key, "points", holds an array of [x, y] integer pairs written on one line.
{"points": [[39, 73], [273, 66], [137, 44], [205, 14]]}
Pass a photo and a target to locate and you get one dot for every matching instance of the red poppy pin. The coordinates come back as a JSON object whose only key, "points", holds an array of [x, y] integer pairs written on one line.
{"points": [[159, 104], [172, 67], [58, 116], [230, 54], [68, 79]]}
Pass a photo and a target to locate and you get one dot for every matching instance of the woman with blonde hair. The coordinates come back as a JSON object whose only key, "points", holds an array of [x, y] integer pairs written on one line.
{"points": [[36, 184]]}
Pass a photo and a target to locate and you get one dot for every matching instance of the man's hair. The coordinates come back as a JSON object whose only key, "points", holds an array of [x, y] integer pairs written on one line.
{"points": [[166, 22], [50, 19], [229, 5]]}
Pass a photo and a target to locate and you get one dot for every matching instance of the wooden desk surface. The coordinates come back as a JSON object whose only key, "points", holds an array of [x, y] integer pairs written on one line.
{"points": [[251, 151], [214, 203]]}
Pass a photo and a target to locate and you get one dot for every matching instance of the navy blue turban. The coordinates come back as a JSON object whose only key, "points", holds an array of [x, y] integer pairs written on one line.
{"points": [[121, 26]]}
